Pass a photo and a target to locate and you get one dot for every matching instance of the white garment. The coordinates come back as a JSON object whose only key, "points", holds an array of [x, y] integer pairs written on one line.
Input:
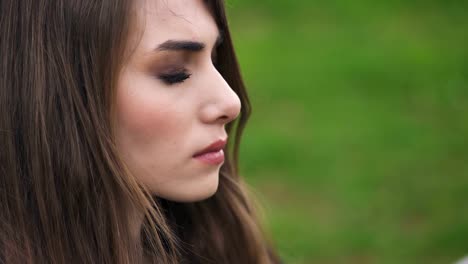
{"points": [[463, 261]]}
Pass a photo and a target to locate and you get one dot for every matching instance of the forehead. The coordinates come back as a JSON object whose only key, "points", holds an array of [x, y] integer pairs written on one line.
{"points": [[161, 20]]}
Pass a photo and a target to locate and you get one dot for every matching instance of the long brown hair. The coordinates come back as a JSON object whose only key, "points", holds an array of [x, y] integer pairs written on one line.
{"points": [[63, 186]]}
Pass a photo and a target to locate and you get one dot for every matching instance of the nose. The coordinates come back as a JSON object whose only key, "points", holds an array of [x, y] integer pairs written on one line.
{"points": [[222, 103]]}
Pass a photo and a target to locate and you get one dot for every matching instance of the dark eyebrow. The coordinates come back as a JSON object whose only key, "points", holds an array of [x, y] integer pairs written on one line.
{"points": [[186, 45]]}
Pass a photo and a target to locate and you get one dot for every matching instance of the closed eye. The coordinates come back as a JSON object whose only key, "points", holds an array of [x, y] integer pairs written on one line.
{"points": [[180, 76], [172, 78]]}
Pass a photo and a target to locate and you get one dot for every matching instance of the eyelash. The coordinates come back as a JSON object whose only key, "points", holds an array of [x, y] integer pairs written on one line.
{"points": [[174, 77]]}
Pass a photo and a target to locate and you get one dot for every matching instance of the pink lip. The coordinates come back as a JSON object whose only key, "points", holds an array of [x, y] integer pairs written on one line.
{"points": [[213, 154]]}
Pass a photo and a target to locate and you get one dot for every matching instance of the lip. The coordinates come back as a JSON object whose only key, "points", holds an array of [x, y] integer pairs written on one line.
{"points": [[212, 154]]}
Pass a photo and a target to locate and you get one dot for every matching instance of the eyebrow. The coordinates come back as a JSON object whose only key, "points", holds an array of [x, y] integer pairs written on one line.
{"points": [[181, 45], [186, 45]]}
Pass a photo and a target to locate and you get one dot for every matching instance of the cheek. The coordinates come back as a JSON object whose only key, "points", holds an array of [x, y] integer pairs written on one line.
{"points": [[146, 121], [142, 116]]}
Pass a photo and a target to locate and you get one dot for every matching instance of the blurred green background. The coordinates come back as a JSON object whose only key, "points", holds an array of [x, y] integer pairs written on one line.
{"points": [[358, 142]]}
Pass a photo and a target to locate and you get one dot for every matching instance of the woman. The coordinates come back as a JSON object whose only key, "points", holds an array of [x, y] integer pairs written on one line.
{"points": [[114, 116]]}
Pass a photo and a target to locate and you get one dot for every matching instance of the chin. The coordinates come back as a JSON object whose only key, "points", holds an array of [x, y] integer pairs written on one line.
{"points": [[201, 196], [193, 191]]}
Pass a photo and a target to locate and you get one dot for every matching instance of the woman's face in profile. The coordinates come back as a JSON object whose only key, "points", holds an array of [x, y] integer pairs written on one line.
{"points": [[172, 103]]}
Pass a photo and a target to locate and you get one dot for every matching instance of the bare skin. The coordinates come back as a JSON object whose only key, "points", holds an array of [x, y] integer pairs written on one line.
{"points": [[171, 101]]}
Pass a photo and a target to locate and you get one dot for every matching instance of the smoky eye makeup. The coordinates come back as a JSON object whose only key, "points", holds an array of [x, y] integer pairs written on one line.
{"points": [[174, 76], [170, 68], [169, 65]]}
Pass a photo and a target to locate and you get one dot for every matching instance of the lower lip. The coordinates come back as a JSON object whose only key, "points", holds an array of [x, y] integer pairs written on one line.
{"points": [[213, 158]]}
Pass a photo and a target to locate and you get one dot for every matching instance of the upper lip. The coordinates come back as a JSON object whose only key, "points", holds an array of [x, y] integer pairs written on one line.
{"points": [[213, 147]]}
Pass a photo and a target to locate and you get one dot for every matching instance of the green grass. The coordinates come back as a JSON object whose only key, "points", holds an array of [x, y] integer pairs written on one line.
{"points": [[358, 140]]}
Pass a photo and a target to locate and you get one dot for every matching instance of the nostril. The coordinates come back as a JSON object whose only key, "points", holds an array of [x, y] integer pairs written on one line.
{"points": [[226, 118]]}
